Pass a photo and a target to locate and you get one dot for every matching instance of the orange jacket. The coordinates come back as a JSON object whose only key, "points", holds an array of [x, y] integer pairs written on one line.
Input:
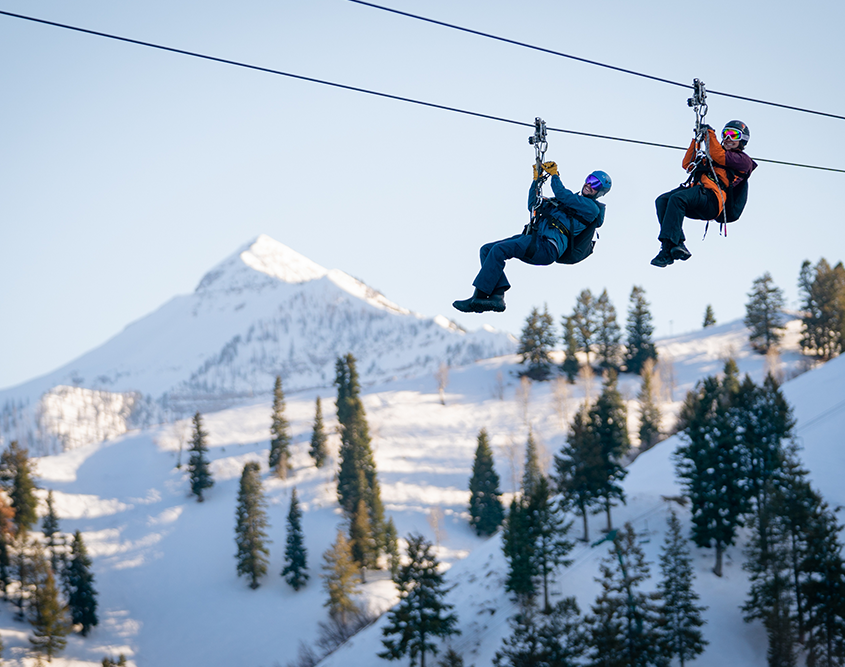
{"points": [[717, 156]]}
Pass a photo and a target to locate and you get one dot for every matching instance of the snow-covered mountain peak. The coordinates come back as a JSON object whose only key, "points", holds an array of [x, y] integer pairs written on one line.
{"points": [[257, 264]]}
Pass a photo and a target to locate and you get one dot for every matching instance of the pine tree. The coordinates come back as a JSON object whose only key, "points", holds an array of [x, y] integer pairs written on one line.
{"points": [[318, 449], [357, 476], [548, 640], [709, 317], [79, 586], [198, 467], [451, 658], [823, 303], [640, 346], [280, 440], [532, 474], [579, 468], [548, 530], [650, 417], [517, 545], [251, 526], [583, 320], [608, 333], [681, 619], [50, 527], [340, 580], [570, 365], [295, 571], [16, 480], [609, 426], [710, 462], [361, 540], [485, 507], [391, 548], [763, 313], [824, 590], [50, 624], [421, 614], [535, 343], [629, 616]]}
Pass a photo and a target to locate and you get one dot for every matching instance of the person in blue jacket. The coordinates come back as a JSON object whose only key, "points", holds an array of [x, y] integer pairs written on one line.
{"points": [[557, 219]]}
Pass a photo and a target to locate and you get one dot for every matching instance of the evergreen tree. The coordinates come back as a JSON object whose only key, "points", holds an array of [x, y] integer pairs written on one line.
{"points": [[421, 614], [451, 658], [517, 544], [763, 313], [357, 476], [570, 365], [579, 468], [608, 333], [318, 451], [391, 542], [50, 527], [583, 320], [5, 563], [532, 474], [609, 425], [549, 544], [710, 462], [16, 480], [295, 571], [340, 580], [251, 526], [681, 619], [485, 507], [549, 640], [361, 540], [198, 467], [824, 590], [650, 417], [640, 345], [535, 343], [79, 586], [709, 317], [50, 625], [823, 304], [280, 440], [630, 617]]}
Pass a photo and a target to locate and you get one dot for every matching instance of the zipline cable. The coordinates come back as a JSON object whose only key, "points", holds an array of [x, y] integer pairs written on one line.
{"points": [[366, 91], [588, 61]]}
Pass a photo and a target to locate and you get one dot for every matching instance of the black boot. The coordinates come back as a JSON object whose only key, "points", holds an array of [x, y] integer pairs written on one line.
{"points": [[469, 305], [664, 257], [481, 302], [680, 252]]}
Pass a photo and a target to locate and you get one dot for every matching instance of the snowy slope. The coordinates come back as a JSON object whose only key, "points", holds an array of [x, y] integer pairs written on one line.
{"points": [[165, 567], [264, 311]]}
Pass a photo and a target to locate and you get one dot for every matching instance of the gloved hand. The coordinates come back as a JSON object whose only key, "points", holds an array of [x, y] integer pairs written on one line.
{"points": [[550, 168]]}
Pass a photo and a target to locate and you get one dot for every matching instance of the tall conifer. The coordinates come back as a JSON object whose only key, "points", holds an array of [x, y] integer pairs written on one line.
{"points": [[251, 526], [532, 474], [609, 425], [198, 466], [535, 344], [640, 346], [485, 507], [570, 365], [340, 580], [650, 416], [50, 528], [295, 571], [16, 480], [50, 624], [608, 333], [318, 450], [549, 544], [421, 614], [280, 440], [79, 585], [763, 313]]}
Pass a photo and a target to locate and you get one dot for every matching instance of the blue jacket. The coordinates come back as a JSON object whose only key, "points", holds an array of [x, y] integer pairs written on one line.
{"points": [[571, 211]]}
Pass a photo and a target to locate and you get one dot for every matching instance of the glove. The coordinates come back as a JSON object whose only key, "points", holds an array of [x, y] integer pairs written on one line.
{"points": [[550, 168]]}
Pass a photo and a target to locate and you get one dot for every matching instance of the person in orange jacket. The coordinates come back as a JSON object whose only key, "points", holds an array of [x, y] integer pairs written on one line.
{"points": [[703, 196]]}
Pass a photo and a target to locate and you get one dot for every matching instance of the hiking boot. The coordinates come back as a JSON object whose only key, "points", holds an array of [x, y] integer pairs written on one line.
{"points": [[663, 258], [680, 252], [466, 305], [480, 302]]}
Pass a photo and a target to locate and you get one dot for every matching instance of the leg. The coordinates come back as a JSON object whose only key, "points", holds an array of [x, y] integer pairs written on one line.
{"points": [[671, 209], [492, 277]]}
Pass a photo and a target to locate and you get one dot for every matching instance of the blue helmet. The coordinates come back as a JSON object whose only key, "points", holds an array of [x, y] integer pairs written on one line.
{"points": [[603, 180]]}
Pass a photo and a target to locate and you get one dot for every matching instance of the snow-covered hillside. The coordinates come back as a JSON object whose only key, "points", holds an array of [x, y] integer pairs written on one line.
{"points": [[264, 311], [165, 566]]}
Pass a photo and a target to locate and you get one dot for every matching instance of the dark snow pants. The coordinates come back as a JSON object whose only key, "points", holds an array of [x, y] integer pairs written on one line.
{"points": [[696, 202], [493, 256]]}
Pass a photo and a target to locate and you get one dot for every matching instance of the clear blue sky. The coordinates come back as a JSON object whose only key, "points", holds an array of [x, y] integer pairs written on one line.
{"points": [[127, 173]]}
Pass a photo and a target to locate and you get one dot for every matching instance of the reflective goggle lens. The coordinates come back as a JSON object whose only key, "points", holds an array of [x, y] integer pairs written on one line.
{"points": [[732, 134], [593, 182]]}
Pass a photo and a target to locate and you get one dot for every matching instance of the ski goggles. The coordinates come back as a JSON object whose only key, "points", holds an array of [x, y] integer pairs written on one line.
{"points": [[732, 134], [594, 183]]}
